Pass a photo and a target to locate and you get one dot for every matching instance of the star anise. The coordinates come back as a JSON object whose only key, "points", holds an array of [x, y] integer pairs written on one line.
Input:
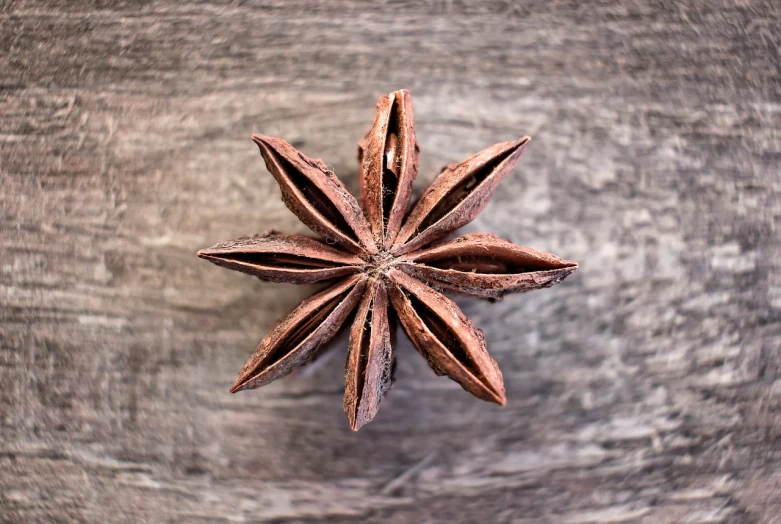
{"points": [[381, 261]]}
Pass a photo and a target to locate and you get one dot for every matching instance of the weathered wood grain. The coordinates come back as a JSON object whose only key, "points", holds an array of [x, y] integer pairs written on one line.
{"points": [[645, 388]]}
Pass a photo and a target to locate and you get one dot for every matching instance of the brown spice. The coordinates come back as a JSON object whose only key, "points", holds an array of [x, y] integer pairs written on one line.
{"points": [[382, 256]]}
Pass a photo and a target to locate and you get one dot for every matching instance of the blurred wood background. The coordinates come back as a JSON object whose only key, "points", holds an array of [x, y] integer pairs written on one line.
{"points": [[645, 388]]}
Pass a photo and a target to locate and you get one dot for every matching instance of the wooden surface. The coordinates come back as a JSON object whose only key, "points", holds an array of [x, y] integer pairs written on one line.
{"points": [[645, 388]]}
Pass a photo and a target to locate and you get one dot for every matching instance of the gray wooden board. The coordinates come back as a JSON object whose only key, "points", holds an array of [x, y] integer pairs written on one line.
{"points": [[644, 388]]}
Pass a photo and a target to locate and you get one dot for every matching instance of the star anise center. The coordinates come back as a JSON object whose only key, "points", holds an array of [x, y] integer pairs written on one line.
{"points": [[379, 264]]}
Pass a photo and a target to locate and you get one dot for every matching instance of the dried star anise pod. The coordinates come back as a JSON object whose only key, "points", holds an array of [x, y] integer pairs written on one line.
{"points": [[380, 257]]}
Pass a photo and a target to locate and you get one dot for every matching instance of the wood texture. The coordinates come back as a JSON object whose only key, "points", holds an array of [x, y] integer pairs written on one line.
{"points": [[645, 388]]}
